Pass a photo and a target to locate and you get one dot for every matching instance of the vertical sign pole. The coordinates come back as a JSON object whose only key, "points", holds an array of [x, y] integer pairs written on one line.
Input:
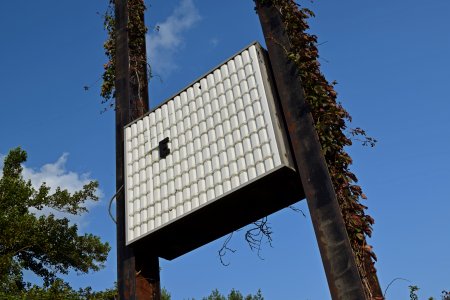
{"points": [[337, 255], [137, 270], [125, 255]]}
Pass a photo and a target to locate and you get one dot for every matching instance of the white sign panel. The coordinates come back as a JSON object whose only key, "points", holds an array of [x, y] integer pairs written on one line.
{"points": [[213, 138]]}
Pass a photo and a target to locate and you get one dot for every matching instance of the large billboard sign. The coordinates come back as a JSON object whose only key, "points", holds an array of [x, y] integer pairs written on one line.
{"points": [[209, 160]]}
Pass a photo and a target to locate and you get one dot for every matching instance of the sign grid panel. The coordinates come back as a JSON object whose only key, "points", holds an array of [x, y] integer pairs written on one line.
{"points": [[221, 137]]}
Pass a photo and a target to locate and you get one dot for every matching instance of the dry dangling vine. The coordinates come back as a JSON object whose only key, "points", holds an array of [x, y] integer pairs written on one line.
{"points": [[331, 121]]}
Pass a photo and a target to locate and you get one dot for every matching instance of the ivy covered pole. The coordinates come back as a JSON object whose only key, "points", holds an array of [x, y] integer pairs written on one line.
{"points": [[339, 263], [137, 269]]}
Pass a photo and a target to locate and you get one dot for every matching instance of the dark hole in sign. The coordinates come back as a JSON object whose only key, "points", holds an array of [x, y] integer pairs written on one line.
{"points": [[163, 148]]}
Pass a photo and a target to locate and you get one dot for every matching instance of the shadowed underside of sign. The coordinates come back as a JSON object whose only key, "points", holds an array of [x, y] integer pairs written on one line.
{"points": [[271, 193], [209, 160]]}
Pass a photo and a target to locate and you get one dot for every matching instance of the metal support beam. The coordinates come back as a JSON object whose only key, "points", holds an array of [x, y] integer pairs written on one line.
{"points": [[338, 259], [137, 271]]}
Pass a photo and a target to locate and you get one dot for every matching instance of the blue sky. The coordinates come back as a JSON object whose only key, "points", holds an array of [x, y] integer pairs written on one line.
{"points": [[391, 60]]}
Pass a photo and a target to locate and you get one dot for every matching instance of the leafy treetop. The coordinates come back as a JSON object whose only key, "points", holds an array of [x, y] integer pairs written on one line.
{"points": [[47, 245], [233, 295]]}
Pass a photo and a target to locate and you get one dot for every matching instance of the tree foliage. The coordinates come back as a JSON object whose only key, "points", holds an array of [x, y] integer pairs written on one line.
{"points": [[44, 244], [233, 295], [60, 290]]}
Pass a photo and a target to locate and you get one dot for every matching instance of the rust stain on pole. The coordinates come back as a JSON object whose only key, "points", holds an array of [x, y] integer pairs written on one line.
{"points": [[337, 255]]}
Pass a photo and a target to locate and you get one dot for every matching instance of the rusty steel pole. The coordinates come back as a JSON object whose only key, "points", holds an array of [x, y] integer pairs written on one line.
{"points": [[137, 269], [337, 255]]}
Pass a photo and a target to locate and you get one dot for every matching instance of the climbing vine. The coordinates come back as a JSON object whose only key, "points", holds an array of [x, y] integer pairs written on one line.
{"points": [[138, 57], [136, 30], [331, 121], [109, 74]]}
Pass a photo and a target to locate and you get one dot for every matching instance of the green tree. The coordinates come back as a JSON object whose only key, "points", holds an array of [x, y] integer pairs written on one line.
{"points": [[60, 290], [46, 245], [233, 295], [165, 295]]}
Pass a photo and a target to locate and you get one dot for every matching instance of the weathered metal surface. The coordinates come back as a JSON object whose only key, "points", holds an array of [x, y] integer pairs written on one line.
{"points": [[337, 256], [137, 275], [147, 275]]}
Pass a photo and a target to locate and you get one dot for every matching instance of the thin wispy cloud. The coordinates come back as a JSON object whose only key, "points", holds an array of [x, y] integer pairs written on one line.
{"points": [[163, 44], [214, 42], [56, 175]]}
